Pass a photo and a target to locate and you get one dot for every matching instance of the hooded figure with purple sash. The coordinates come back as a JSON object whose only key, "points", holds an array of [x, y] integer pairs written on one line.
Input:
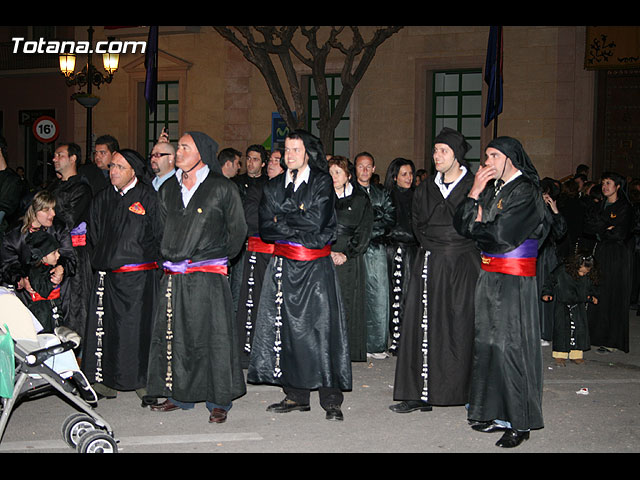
{"points": [[300, 340], [124, 231], [195, 352], [505, 215]]}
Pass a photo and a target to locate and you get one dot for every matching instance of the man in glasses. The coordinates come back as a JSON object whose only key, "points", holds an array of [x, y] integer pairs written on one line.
{"points": [[162, 160]]}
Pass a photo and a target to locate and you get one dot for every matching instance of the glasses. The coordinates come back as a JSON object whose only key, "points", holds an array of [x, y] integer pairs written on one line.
{"points": [[158, 155]]}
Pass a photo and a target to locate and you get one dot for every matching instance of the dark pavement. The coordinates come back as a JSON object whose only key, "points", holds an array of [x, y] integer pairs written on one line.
{"points": [[603, 419]]}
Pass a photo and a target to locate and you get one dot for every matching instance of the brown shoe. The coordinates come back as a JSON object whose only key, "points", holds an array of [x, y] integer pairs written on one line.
{"points": [[560, 362], [579, 361], [218, 415], [166, 406]]}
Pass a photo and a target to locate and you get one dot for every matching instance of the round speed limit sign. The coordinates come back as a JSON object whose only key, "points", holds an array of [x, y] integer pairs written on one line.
{"points": [[45, 129]]}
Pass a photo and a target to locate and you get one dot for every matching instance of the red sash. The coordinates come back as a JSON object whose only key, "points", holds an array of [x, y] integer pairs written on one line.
{"points": [[255, 244], [298, 252], [523, 267], [55, 293], [78, 240], [136, 267]]}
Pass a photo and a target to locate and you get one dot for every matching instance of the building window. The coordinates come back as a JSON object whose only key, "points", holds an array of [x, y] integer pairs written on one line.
{"points": [[166, 115], [340, 144], [457, 104]]}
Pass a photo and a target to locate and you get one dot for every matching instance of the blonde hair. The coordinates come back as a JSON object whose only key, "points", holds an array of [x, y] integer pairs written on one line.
{"points": [[41, 201]]}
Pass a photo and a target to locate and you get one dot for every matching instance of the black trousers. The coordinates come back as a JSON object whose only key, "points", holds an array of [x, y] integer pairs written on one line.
{"points": [[328, 396]]}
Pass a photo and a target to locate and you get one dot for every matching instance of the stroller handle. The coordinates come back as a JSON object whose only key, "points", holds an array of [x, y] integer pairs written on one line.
{"points": [[40, 356]]}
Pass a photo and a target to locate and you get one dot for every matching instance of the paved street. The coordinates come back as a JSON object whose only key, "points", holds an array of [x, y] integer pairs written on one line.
{"points": [[606, 419]]}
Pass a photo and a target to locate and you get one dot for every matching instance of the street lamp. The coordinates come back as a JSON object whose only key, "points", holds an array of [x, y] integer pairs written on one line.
{"points": [[88, 76]]}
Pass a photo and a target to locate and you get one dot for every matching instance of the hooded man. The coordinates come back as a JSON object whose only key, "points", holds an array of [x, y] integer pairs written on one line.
{"points": [[434, 358], [194, 350], [504, 213], [124, 234], [300, 340]]}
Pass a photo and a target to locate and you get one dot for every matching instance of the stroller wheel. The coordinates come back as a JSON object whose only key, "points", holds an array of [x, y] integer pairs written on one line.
{"points": [[75, 427], [97, 442]]}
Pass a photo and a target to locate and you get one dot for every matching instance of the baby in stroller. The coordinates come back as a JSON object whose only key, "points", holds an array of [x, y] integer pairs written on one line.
{"points": [[47, 360]]}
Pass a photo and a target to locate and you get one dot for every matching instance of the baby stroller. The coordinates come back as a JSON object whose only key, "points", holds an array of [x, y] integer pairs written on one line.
{"points": [[45, 361]]}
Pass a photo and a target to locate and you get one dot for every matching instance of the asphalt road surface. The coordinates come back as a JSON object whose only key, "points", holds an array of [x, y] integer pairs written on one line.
{"points": [[589, 408]]}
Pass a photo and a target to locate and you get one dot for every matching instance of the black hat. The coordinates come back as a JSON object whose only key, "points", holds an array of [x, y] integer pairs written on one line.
{"points": [[514, 150], [456, 141], [41, 244], [208, 149], [136, 161]]}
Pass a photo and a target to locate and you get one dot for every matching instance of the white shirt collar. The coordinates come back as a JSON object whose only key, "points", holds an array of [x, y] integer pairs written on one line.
{"points": [[515, 175], [128, 187], [302, 177], [201, 175], [348, 190], [446, 189]]}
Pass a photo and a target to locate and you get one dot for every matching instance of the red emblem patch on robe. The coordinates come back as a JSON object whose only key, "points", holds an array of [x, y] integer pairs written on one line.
{"points": [[137, 208]]}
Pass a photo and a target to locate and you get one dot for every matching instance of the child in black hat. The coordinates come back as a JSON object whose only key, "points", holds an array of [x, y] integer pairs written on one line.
{"points": [[45, 296]]}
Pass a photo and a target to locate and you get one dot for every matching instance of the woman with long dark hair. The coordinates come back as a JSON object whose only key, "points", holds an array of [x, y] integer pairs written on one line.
{"points": [[402, 247]]}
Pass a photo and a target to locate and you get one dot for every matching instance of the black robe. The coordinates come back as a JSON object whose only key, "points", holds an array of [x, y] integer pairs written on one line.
{"points": [[310, 320], [434, 358], [252, 266], [46, 310], [249, 188], [123, 230], [402, 249], [609, 319], [547, 262], [200, 361], [10, 194], [73, 198], [15, 263], [570, 301], [375, 261], [506, 379], [355, 221], [97, 178]]}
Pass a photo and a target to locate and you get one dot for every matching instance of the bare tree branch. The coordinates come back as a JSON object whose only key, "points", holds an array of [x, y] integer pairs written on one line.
{"points": [[279, 42]]}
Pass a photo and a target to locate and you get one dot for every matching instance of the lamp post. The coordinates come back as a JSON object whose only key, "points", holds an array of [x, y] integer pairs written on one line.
{"points": [[88, 76]]}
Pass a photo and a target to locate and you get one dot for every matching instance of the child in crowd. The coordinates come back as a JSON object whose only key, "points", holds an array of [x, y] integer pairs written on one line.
{"points": [[45, 295], [571, 286]]}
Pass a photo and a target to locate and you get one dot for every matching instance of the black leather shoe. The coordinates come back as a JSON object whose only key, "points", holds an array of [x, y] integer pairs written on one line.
{"points": [[147, 401], [334, 413], [488, 427], [512, 438], [287, 405], [410, 406]]}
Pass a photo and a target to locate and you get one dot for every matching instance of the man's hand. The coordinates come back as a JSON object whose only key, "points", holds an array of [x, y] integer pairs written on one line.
{"points": [[338, 258], [483, 176]]}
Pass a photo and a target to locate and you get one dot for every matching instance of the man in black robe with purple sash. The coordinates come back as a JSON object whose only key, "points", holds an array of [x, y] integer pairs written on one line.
{"points": [[195, 349], [506, 218]]}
